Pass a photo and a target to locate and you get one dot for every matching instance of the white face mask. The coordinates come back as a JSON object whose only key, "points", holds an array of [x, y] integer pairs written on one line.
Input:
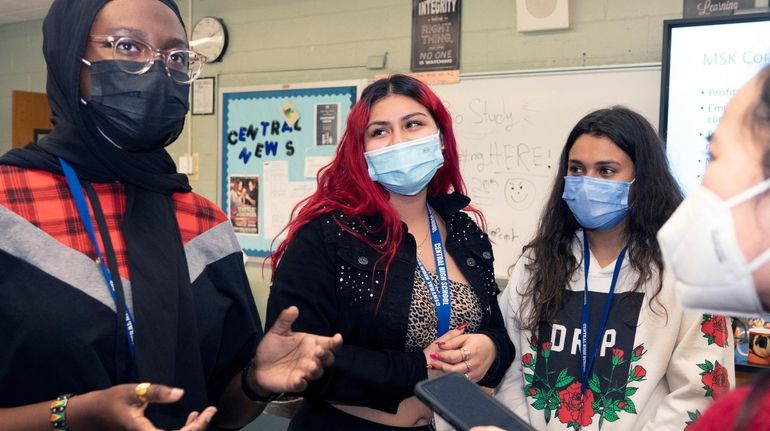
{"points": [[701, 250]]}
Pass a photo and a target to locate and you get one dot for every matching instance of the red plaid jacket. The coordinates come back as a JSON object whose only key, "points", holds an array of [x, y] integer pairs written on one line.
{"points": [[43, 199]]}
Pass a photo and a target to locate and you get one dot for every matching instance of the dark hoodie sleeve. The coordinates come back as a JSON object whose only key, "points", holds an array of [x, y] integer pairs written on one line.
{"points": [[228, 321]]}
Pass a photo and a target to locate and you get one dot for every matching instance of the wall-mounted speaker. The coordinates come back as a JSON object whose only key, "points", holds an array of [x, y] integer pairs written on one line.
{"points": [[536, 15]]}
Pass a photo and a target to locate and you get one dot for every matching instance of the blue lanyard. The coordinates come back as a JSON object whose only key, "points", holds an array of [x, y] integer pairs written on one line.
{"points": [[85, 218], [586, 362], [441, 299]]}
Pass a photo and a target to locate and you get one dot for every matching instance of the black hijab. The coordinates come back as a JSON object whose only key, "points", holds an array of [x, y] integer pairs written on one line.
{"points": [[65, 32], [167, 345]]}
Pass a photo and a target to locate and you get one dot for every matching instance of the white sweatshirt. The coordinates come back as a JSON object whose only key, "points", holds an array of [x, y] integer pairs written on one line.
{"points": [[656, 369]]}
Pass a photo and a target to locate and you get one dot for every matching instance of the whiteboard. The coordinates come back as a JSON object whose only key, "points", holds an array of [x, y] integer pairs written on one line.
{"points": [[511, 128]]}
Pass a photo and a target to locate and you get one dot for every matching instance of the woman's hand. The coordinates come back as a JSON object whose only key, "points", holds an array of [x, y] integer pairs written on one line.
{"points": [[432, 351], [122, 407], [285, 360], [469, 354]]}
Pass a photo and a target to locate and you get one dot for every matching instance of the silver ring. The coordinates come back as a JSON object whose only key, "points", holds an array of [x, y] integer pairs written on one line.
{"points": [[467, 376], [467, 366], [466, 354]]}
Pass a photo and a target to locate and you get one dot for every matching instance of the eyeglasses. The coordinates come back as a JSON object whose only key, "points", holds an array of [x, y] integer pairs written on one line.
{"points": [[137, 57]]}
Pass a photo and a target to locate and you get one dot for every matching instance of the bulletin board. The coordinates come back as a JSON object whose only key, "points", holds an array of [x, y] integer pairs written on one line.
{"points": [[272, 142]]}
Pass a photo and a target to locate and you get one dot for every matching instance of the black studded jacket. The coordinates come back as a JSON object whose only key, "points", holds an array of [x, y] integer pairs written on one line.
{"points": [[328, 274]]}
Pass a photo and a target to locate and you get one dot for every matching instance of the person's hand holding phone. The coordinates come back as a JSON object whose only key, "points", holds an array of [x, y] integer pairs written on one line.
{"points": [[464, 405]]}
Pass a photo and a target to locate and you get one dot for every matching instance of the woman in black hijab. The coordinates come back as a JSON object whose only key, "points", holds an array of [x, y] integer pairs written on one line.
{"points": [[153, 289]]}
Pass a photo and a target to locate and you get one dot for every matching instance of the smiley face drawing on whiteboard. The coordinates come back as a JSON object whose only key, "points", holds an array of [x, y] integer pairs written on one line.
{"points": [[519, 193]]}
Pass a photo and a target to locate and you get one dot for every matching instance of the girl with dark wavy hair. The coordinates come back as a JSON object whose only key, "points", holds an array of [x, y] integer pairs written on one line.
{"points": [[603, 341], [384, 254]]}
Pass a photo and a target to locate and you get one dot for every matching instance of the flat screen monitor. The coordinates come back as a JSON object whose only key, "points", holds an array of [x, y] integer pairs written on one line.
{"points": [[705, 61]]}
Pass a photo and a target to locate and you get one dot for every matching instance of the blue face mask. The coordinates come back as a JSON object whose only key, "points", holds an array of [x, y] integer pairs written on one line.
{"points": [[596, 203], [408, 167]]}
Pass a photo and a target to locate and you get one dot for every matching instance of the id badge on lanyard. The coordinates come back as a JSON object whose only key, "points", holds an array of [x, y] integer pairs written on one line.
{"points": [[85, 218], [587, 362], [441, 295]]}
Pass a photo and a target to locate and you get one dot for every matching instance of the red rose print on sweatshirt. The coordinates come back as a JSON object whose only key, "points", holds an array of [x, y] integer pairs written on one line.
{"points": [[714, 378], [714, 329], [576, 409], [527, 360]]}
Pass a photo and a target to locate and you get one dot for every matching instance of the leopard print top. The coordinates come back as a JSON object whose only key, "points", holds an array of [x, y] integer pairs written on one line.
{"points": [[422, 327]]}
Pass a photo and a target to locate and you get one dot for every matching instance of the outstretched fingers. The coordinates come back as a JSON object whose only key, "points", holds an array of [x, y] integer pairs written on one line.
{"points": [[156, 393], [325, 348], [199, 421]]}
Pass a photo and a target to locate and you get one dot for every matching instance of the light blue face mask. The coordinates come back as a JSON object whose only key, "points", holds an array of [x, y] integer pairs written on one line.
{"points": [[596, 203], [408, 167]]}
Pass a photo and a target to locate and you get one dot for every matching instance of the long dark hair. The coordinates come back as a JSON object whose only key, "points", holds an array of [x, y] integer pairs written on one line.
{"points": [[345, 185], [656, 196]]}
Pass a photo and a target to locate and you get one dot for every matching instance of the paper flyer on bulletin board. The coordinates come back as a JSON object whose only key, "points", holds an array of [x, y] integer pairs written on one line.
{"points": [[273, 141]]}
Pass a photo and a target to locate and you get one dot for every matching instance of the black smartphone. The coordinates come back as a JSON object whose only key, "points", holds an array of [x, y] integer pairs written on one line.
{"points": [[464, 404]]}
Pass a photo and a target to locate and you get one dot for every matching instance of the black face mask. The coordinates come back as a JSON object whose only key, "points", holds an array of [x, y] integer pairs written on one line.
{"points": [[136, 112]]}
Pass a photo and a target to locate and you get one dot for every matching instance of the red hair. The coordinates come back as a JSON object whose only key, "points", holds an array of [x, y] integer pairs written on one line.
{"points": [[345, 186]]}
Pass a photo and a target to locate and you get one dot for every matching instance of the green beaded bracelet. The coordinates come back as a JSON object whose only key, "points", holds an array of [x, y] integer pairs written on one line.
{"points": [[58, 419]]}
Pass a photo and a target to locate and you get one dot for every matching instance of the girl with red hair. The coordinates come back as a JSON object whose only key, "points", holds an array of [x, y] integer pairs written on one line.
{"points": [[384, 254]]}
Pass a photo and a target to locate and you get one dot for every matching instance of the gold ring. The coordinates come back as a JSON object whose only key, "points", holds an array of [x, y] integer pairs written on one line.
{"points": [[466, 354], [467, 366], [141, 392]]}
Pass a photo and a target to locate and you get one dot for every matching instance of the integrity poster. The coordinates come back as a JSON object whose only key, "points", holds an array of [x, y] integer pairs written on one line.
{"points": [[435, 35]]}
